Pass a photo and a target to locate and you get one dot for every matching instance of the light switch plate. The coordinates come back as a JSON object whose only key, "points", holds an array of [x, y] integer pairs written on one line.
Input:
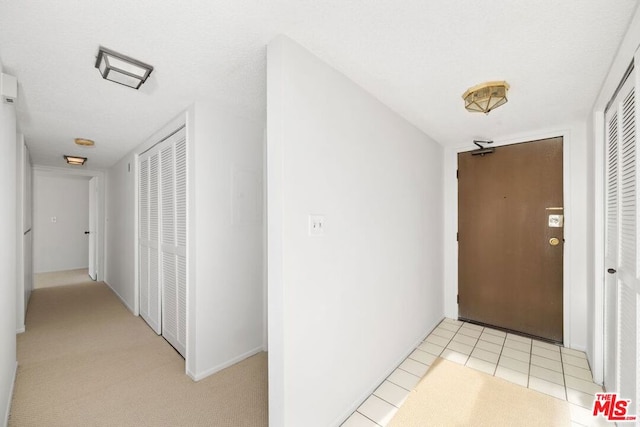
{"points": [[316, 225]]}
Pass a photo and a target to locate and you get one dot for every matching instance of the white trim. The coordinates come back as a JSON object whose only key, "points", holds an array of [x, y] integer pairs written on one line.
{"points": [[377, 382], [451, 212], [124, 302], [8, 404], [265, 274], [20, 329], [597, 362], [136, 283], [217, 368]]}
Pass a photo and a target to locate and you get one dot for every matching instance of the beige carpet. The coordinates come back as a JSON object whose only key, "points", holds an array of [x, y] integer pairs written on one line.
{"points": [[86, 361], [60, 278], [453, 395]]}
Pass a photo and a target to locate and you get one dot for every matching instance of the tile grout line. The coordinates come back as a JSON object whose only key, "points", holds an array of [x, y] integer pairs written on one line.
{"points": [[450, 339], [474, 347], [366, 416], [500, 355], [409, 357], [564, 381], [529, 372], [385, 400]]}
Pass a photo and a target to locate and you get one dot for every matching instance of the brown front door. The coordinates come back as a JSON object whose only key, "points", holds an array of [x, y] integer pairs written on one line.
{"points": [[509, 213]]}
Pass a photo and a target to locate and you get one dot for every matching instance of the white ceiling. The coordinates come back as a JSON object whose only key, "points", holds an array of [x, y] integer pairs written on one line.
{"points": [[416, 56]]}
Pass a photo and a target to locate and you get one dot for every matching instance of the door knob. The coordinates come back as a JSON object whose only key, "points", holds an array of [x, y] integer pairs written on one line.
{"points": [[611, 271], [554, 241]]}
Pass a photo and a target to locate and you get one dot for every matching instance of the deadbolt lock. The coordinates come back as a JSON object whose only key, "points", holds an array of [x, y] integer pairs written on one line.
{"points": [[554, 241]]}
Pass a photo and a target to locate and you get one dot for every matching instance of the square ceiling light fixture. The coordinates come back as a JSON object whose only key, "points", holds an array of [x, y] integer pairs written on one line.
{"points": [[485, 97], [122, 69], [75, 160]]}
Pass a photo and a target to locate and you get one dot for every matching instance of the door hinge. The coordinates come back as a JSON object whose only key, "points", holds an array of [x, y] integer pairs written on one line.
{"points": [[457, 237], [458, 299], [457, 173]]}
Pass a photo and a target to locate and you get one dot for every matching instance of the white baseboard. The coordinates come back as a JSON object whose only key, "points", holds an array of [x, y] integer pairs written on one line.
{"points": [[364, 396], [126, 304], [20, 329], [211, 371], [13, 383]]}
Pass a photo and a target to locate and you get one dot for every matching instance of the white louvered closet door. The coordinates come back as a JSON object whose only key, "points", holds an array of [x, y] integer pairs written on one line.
{"points": [[163, 238], [148, 239], [173, 248], [621, 256]]}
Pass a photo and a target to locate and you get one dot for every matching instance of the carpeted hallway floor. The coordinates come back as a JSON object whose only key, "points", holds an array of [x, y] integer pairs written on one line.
{"points": [[85, 360]]}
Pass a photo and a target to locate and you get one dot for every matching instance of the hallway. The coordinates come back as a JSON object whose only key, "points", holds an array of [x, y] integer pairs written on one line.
{"points": [[85, 360]]}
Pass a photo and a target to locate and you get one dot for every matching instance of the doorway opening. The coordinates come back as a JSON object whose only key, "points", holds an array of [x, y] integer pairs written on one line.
{"points": [[67, 226]]}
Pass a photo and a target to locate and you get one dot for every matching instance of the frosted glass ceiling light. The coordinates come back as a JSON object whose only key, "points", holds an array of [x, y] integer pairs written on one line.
{"points": [[485, 97], [122, 69], [75, 160]]}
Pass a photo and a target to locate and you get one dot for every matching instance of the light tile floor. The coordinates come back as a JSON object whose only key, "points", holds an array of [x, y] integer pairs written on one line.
{"points": [[554, 370]]}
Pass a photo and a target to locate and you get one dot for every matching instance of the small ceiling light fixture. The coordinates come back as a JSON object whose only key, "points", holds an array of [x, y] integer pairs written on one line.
{"points": [[85, 142], [485, 97], [75, 160], [122, 69]]}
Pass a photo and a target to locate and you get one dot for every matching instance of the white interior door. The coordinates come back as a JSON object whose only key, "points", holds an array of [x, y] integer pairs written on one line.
{"points": [[93, 220], [148, 240], [611, 255], [173, 247], [622, 282], [163, 238]]}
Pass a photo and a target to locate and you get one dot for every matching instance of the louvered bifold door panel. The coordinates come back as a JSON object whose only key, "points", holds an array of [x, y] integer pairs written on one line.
{"points": [[611, 254], [627, 184], [181, 236], [628, 263], [163, 238], [143, 237], [154, 243], [148, 244], [612, 190], [174, 238], [169, 279]]}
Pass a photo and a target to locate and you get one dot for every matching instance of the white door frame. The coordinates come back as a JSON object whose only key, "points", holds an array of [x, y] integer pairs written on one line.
{"points": [[40, 170], [93, 222]]}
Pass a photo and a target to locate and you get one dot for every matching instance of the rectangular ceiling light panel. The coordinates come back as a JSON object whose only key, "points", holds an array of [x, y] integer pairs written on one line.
{"points": [[122, 69], [75, 160]]}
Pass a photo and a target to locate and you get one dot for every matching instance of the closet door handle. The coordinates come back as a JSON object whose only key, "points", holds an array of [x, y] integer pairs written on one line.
{"points": [[87, 232], [611, 271]]}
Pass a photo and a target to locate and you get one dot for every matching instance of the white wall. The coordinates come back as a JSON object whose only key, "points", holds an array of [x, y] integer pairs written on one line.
{"points": [[7, 256], [576, 268], [344, 308], [225, 311], [225, 315], [60, 245], [120, 231], [120, 220]]}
